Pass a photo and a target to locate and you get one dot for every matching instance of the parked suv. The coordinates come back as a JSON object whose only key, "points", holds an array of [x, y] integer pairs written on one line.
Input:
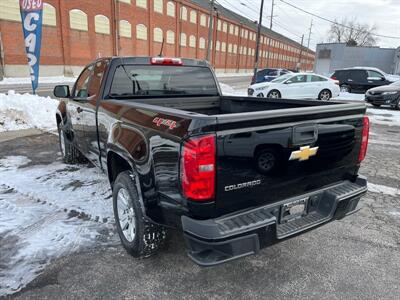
{"points": [[266, 75], [361, 79]]}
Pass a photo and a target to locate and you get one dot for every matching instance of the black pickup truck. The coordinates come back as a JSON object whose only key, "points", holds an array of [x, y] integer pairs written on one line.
{"points": [[234, 174]]}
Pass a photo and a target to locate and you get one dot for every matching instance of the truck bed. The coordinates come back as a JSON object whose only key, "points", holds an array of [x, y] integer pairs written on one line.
{"points": [[225, 105]]}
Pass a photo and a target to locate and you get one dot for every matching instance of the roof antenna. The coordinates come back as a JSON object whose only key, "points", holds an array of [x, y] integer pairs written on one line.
{"points": [[162, 46]]}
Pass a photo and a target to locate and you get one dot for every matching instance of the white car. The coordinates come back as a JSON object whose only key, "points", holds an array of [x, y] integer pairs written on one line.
{"points": [[297, 86]]}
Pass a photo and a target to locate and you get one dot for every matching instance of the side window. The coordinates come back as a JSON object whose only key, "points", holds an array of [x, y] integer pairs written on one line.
{"points": [[374, 74], [96, 78], [298, 79], [358, 75], [315, 78], [81, 87]]}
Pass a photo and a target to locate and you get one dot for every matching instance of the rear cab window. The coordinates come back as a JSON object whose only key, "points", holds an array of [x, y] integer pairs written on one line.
{"points": [[140, 81]]}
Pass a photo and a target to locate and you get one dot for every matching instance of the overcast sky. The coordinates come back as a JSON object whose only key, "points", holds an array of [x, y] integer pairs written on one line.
{"points": [[385, 14]]}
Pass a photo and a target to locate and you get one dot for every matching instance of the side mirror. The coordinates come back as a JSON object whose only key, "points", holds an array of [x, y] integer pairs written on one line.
{"points": [[61, 91], [288, 82]]}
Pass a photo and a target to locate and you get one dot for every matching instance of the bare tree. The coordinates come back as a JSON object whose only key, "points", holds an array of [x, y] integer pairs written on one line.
{"points": [[352, 33]]}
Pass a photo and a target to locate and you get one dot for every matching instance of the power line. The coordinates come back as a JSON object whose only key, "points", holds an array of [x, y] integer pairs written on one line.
{"points": [[336, 23]]}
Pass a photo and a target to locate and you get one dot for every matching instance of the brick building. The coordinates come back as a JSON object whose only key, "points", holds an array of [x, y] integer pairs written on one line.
{"points": [[77, 31]]}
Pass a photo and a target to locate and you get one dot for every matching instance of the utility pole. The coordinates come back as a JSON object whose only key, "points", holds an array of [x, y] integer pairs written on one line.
{"points": [[309, 34], [258, 39], [270, 28], [210, 30], [301, 52]]}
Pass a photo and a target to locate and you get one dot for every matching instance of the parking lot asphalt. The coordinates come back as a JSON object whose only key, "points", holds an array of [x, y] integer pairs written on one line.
{"points": [[355, 258]]}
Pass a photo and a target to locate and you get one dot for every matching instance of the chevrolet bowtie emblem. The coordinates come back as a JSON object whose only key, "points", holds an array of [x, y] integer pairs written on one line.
{"points": [[304, 153]]}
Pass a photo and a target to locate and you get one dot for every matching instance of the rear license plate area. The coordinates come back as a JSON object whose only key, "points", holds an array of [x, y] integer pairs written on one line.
{"points": [[293, 210]]}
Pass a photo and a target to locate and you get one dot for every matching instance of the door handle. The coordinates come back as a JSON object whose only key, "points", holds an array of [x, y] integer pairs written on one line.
{"points": [[79, 110]]}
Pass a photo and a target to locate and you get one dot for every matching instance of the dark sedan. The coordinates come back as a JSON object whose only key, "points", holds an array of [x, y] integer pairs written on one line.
{"points": [[385, 95]]}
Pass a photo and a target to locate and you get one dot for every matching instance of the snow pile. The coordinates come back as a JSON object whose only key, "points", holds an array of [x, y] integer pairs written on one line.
{"points": [[27, 80], [49, 211], [227, 90], [234, 74], [350, 97], [26, 111]]}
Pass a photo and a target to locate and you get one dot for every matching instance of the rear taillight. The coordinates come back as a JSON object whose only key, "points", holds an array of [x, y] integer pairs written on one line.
{"points": [[364, 140], [253, 79], [198, 168], [166, 61], [333, 77]]}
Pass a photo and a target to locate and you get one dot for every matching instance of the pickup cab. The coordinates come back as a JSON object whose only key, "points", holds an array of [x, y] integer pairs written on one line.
{"points": [[233, 174]]}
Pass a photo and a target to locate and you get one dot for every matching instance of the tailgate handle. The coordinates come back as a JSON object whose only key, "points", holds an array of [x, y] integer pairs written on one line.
{"points": [[305, 134]]}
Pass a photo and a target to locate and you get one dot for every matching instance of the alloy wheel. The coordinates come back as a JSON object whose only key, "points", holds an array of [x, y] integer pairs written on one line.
{"points": [[126, 215]]}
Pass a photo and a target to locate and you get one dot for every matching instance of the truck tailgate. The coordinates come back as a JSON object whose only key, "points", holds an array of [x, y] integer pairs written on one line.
{"points": [[267, 156]]}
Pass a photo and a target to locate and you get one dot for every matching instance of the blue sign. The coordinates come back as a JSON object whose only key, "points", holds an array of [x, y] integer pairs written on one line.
{"points": [[32, 16]]}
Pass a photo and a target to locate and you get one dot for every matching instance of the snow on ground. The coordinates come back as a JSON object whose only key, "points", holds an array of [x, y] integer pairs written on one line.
{"points": [[48, 211], [383, 189], [26, 111], [350, 97], [388, 117], [27, 80]]}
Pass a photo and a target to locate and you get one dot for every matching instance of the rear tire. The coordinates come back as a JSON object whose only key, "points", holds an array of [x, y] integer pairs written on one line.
{"points": [[139, 237], [69, 153], [325, 95], [345, 88], [274, 94]]}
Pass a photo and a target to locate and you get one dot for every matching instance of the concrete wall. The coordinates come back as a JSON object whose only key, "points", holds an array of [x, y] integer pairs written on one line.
{"points": [[330, 57]]}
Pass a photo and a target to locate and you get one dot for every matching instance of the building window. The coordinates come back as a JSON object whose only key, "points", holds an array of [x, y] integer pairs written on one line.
{"points": [[202, 43], [225, 27], [101, 24], [229, 48], [219, 26], [171, 9], [9, 10], [193, 16], [223, 46], [157, 35], [170, 37], [218, 46], [192, 41], [231, 29], [234, 49], [125, 29], [183, 13], [203, 20], [183, 39], [49, 15], [125, 1], [245, 50], [158, 6], [236, 30], [141, 3], [141, 32], [78, 20]]}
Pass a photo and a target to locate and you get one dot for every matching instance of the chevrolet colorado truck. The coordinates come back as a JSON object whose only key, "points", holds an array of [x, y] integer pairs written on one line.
{"points": [[233, 174]]}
